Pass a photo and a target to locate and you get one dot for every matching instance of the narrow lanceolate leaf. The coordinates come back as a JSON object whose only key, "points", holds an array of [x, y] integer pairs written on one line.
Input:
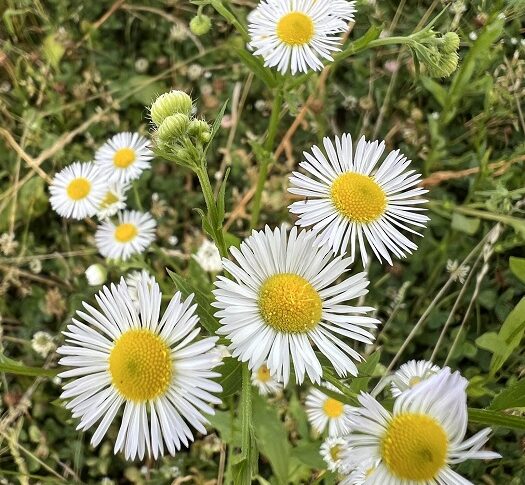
{"points": [[495, 418], [13, 367], [512, 397], [204, 309]]}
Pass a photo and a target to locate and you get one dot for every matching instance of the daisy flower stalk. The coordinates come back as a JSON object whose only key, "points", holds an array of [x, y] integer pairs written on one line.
{"points": [[325, 411], [132, 234], [124, 157], [284, 300], [349, 200], [294, 36], [418, 441], [155, 368], [77, 190]]}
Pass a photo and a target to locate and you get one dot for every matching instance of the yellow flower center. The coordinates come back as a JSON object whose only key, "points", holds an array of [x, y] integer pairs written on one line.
{"points": [[414, 447], [288, 303], [263, 373], [335, 451], [125, 232], [109, 199], [79, 188], [358, 197], [124, 157], [140, 365], [295, 28], [333, 408], [414, 381]]}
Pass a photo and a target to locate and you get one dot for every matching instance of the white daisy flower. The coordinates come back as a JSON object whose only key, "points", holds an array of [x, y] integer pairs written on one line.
{"points": [[208, 257], [359, 474], [114, 200], [343, 9], [295, 35], [132, 281], [152, 367], [77, 190], [124, 157], [420, 439], [284, 300], [323, 410], [331, 453], [134, 232], [348, 200], [263, 380], [411, 374]]}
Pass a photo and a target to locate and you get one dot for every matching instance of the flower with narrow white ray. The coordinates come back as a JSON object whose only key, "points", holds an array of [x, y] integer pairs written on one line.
{"points": [[323, 411], [133, 279], [359, 474], [420, 439], [331, 453], [133, 233], [208, 257], [284, 300], [114, 200], [343, 9], [263, 380], [411, 374], [295, 35], [77, 190], [348, 200], [124, 157], [155, 368]]}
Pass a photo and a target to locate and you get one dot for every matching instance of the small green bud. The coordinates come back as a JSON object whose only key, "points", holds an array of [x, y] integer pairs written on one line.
{"points": [[168, 104], [205, 137], [197, 127], [200, 25], [173, 127], [450, 42]]}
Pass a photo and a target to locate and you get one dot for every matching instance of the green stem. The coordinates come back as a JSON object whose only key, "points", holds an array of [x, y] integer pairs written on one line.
{"points": [[137, 197], [246, 411], [230, 17], [273, 125], [211, 205]]}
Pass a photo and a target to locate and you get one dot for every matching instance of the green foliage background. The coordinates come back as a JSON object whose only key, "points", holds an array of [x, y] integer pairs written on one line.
{"points": [[73, 73]]}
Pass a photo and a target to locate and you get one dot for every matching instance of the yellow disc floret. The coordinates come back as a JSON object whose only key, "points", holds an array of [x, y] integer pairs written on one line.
{"points": [[289, 303], [333, 408], [140, 365], [295, 28], [109, 199], [358, 197], [414, 447], [263, 373], [124, 157], [125, 232], [78, 188]]}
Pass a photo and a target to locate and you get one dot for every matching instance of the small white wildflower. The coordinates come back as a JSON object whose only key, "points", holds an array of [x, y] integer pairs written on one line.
{"points": [[8, 244], [173, 240], [208, 257], [141, 65], [457, 272], [331, 453], [473, 36], [96, 275], [42, 343], [194, 72], [178, 33], [132, 280]]}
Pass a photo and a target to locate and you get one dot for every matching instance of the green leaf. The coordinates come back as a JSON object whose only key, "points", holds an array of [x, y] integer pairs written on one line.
{"points": [[512, 397], [308, 454], [365, 372], [517, 266], [271, 437], [220, 199], [511, 333], [204, 308], [216, 125], [468, 225], [227, 427], [494, 418], [231, 376], [434, 88], [13, 367]]}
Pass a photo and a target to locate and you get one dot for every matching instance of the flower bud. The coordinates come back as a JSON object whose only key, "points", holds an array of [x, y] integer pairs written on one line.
{"points": [[200, 25], [450, 42], [96, 275], [173, 127], [205, 136], [197, 127], [168, 104]]}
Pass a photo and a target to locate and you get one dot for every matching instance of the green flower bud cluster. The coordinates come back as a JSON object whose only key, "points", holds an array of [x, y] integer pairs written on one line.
{"points": [[438, 54]]}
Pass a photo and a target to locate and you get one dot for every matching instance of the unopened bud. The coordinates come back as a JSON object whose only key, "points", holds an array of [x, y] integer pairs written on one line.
{"points": [[200, 25], [96, 275], [450, 42], [168, 104], [173, 127]]}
